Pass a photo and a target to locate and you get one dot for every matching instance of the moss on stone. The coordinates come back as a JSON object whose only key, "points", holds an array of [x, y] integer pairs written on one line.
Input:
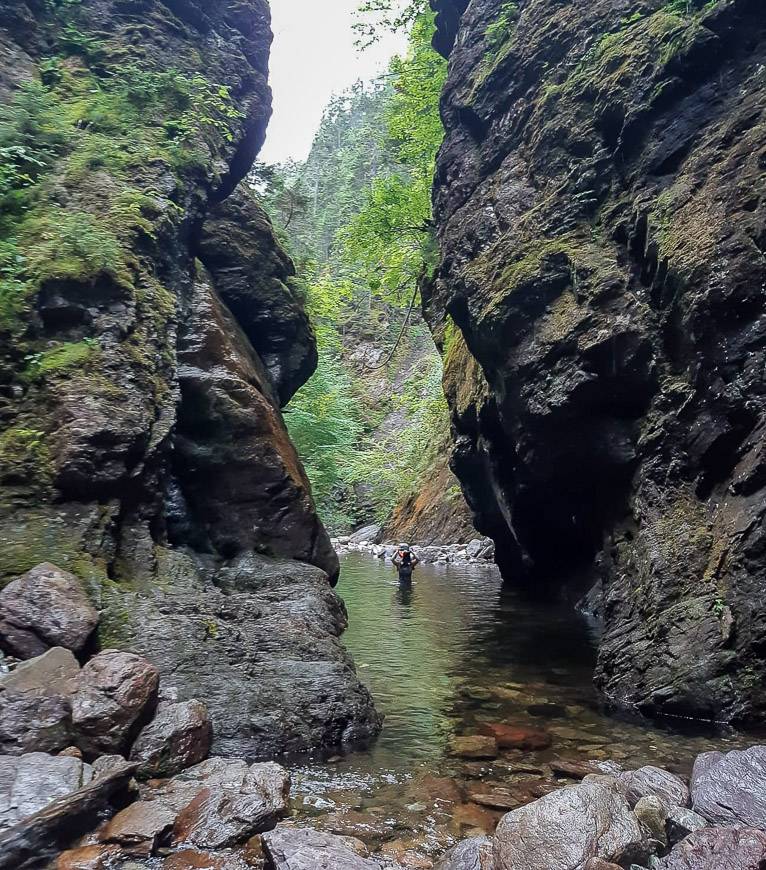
{"points": [[77, 354], [25, 458]]}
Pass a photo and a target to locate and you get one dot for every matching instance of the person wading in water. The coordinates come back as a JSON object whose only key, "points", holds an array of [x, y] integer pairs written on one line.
{"points": [[405, 561]]}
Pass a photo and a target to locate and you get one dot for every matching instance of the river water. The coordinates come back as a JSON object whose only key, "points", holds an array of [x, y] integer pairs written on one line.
{"points": [[455, 651]]}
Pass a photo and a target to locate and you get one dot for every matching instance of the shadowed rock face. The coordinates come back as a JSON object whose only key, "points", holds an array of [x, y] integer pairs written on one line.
{"points": [[142, 445], [599, 303]]}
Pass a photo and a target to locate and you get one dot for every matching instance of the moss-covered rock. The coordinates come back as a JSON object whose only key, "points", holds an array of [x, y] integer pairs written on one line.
{"points": [[143, 447], [601, 215]]}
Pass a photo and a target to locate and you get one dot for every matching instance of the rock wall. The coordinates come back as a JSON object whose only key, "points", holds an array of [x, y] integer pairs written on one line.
{"points": [[435, 513], [149, 334], [600, 305]]}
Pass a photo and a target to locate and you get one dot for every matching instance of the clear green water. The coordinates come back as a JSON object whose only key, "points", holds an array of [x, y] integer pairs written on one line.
{"points": [[455, 650]]}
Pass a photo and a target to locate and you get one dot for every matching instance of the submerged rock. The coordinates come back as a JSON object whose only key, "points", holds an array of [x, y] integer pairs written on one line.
{"points": [[117, 692], [44, 608], [517, 737], [476, 746]]}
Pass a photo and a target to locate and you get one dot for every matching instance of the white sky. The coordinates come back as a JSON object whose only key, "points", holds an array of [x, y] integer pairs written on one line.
{"points": [[314, 57]]}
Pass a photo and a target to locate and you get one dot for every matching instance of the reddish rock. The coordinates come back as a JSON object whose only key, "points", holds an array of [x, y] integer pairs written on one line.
{"points": [[516, 736], [71, 752], [575, 768], [117, 693], [599, 864], [177, 738], [44, 608], [140, 828], [96, 857]]}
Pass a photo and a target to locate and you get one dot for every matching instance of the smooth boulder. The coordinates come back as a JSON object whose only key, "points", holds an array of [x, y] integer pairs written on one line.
{"points": [[718, 849], [730, 789], [567, 827], [117, 694], [306, 849], [652, 781], [44, 608], [177, 738]]}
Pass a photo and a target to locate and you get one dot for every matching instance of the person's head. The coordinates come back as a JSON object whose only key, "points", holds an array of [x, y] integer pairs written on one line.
{"points": [[405, 548]]}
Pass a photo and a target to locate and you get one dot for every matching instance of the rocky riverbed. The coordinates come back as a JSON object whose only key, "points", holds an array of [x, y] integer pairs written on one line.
{"points": [[489, 759], [368, 540]]}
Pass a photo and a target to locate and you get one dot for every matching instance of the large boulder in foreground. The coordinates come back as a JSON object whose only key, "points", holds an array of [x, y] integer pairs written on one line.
{"points": [[718, 849], [213, 805], [178, 737], [730, 789], [44, 608], [117, 693], [565, 828], [262, 649]]}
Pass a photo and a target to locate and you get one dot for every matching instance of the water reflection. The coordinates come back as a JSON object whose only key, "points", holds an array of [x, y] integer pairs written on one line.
{"points": [[454, 650]]}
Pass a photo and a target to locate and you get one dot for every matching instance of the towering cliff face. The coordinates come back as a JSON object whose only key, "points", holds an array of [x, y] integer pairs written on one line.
{"points": [[148, 337], [600, 303]]}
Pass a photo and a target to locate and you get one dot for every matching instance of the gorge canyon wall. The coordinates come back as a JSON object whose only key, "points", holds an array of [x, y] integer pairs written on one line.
{"points": [[149, 334], [599, 303]]}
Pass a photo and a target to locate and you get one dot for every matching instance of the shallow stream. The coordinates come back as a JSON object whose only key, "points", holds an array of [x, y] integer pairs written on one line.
{"points": [[456, 650]]}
